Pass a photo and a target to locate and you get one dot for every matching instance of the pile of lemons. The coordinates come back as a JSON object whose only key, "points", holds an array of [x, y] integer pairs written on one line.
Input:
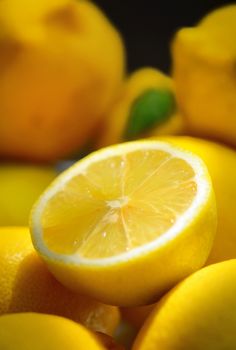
{"points": [[134, 245]]}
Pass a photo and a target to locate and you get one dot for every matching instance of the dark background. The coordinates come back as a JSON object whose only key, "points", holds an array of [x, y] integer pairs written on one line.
{"points": [[148, 26]]}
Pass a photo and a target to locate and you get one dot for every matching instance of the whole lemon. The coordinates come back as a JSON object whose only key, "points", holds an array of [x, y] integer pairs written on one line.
{"points": [[27, 286], [221, 164], [20, 186], [61, 66], [198, 314], [27, 331], [204, 74]]}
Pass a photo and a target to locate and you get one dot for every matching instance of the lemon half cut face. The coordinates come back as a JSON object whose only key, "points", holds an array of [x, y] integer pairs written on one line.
{"points": [[122, 205]]}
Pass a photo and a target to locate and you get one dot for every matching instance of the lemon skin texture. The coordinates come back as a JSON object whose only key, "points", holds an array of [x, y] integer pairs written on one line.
{"points": [[198, 314], [26, 285], [62, 64], [27, 331], [221, 164], [203, 72], [20, 186]]}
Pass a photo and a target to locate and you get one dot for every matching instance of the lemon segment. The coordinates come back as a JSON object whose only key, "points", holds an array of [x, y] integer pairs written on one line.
{"points": [[122, 204]]}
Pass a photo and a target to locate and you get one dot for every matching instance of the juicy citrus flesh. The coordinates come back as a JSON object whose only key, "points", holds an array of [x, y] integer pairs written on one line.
{"points": [[143, 208], [111, 205]]}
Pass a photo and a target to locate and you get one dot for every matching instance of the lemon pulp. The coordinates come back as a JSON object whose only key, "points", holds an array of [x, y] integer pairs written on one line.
{"points": [[118, 203]]}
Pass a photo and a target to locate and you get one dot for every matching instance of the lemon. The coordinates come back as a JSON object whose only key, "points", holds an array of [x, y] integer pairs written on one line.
{"points": [[203, 70], [221, 163], [199, 314], [146, 106], [62, 64], [127, 222], [28, 331], [20, 186], [26, 285]]}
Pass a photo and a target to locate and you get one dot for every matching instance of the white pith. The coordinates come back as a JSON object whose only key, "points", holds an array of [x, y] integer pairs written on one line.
{"points": [[202, 194]]}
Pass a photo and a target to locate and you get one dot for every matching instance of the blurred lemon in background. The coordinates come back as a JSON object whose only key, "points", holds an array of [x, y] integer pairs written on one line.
{"points": [[125, 215], [26, 285], [198, 314], [204, 74], [20, 186], [36, 331], [146, 106], [221, 164], [61, 64]]}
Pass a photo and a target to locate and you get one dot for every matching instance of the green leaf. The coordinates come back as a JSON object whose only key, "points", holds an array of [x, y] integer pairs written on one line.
{"points": [[149, 110]]}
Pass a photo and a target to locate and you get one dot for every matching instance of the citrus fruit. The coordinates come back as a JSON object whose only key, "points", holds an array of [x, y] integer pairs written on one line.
{"points": [[61, 66], [127, 222], [203, 70], [20, 186], [26, 285], [146, 106], [27, 331], [221, 164], [199, 314]]}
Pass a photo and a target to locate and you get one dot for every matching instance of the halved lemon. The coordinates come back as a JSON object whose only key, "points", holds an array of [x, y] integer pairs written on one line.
{"points": [[127, 222]]}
